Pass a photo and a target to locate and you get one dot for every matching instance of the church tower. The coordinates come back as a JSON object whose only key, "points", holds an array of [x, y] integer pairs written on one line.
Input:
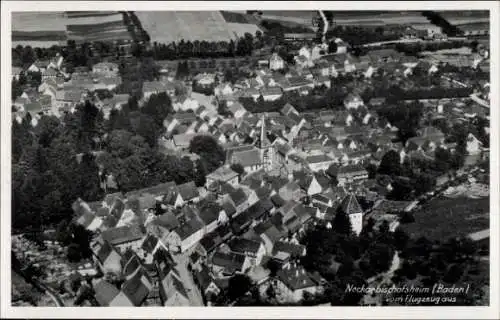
{"points": [[351, 207], [265, 146]]}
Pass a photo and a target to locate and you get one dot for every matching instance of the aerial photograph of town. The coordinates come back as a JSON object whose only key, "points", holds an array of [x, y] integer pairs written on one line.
{"points": [[250, 158]]}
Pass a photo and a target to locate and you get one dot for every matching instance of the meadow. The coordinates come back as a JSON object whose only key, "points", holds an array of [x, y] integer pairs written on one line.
{"points": [[443, 218]]}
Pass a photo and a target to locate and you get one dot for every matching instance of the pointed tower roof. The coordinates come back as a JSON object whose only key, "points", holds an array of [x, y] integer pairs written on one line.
{"points": [[350, 205], [263, 141]]}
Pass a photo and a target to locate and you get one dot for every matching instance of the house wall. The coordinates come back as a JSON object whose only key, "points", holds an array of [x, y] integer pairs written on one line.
{"points": [[172, 241], [356, 222], [177, 300], [314, 187], [318, 166], [134, 245], [111, 264], [272, 97], [192, 240], [121, 300], [294, 295]]}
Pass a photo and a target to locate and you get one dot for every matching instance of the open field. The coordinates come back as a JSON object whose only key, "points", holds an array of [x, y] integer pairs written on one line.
{"points": [[349, 17], [465, 17], [38, 21], [443, 218], [168, 26], [239, 29], [38, 29], [96, 26], [44, 29]]}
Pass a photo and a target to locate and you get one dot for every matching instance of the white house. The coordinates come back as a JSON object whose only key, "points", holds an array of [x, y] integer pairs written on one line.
{"points": [[276, 62], [353, 101], [107, 68], [473, 145], [293, 281]]}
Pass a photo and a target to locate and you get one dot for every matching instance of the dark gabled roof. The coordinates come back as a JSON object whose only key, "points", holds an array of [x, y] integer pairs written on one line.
{"points": [[255, 211], [238, 196], [188, 191], [231, 262], [105, 292], [295, 250], [164, 261], [210, 212], [204, 278], [131, 266], [149, 243], [104, 251], [278, 182], [349, 169], [277, 200], [228, 208], [242, 245], [293, 224], [263, 192], [295, 278], [135, 289], [167, 220], [323, 179], [211, 241], [350, 205], [123, 234], [177, 286], [189, 228], [320, 197]]}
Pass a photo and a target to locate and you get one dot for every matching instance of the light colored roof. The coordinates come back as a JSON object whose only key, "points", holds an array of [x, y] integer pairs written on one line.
{"points": [[480, 235], [184, 139], [223, 174], [105, 292]]}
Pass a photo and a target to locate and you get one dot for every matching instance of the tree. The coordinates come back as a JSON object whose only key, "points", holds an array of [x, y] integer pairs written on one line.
{"points": [[332, 47], [209, 151], [130, 174], [159, 106], [390, 164], [401, 239], [200, 173], [144, 126], [238, 168], [239, 284], [273, 266], [17, 89], [407, 217], [73, 253], [424, 183]]}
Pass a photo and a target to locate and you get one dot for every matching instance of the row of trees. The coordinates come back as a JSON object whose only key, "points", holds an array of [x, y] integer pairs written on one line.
{"points": [[183, 49]]}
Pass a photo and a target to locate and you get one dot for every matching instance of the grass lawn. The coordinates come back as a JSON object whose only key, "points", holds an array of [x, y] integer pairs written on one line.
{"points": [[443, 218]]}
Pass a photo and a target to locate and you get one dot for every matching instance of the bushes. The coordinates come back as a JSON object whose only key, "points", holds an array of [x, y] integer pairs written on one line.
{"points": [[407, 217]]}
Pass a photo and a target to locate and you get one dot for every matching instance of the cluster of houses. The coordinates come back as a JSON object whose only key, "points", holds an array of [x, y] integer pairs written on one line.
{"points": [[299, 168], [60, 92]]}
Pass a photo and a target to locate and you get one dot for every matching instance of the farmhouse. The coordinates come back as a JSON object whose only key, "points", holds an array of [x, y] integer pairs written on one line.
{"points": [[223, 174], [293, 281], [276, 62], [108, 69]]}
